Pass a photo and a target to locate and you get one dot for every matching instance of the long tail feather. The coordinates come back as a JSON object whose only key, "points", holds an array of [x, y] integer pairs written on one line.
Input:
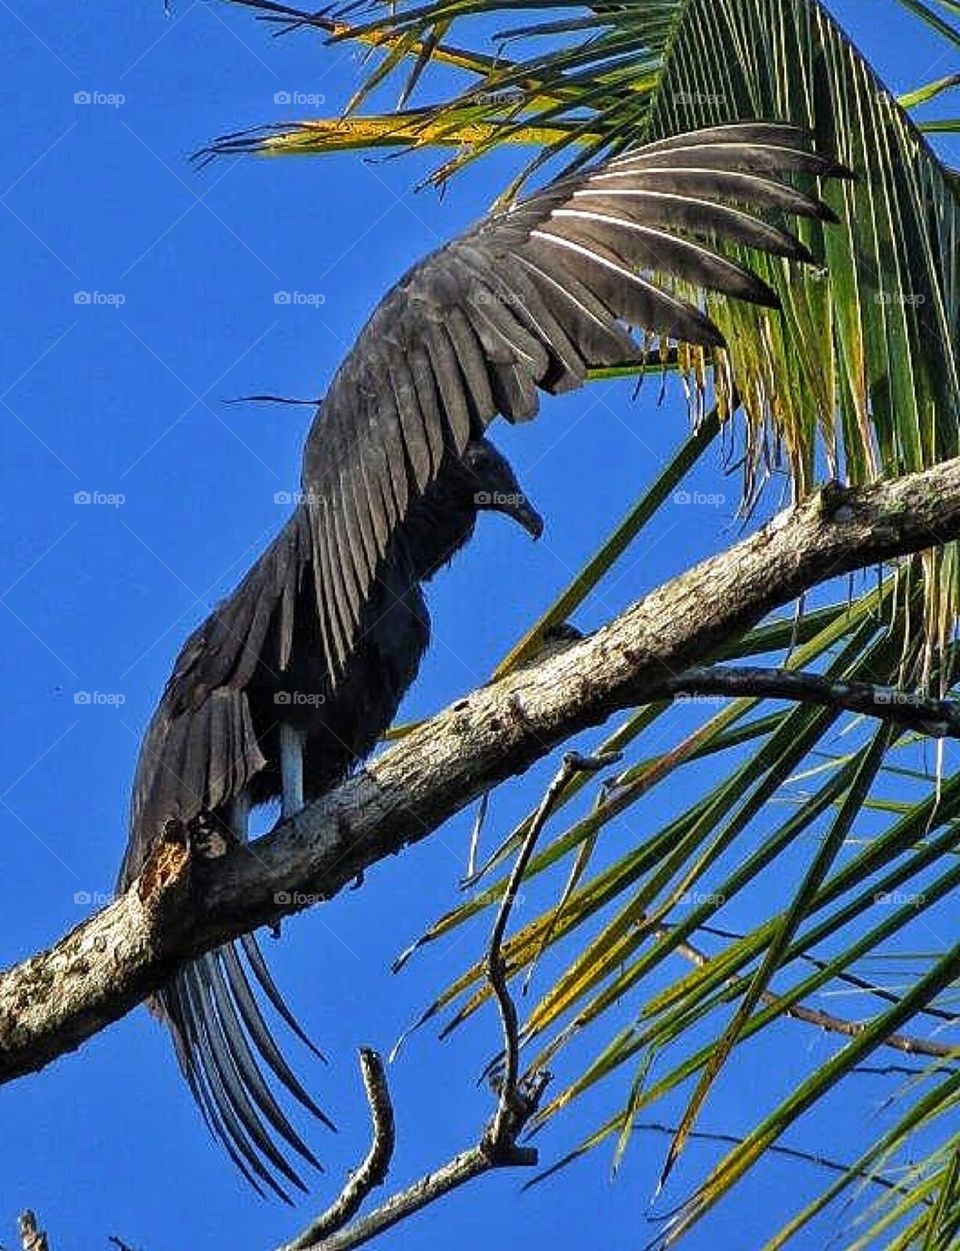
{"points": [[218, 1030], [258, 964]]}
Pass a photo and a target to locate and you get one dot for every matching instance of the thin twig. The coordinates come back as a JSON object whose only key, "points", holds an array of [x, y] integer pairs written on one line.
{"points": [[463, 1168], [791, 1153], [581, 860], [892, 1070], [906, 1043], [511, 1103], [848, 979], [939, 718], [776, 1149], [373, 1171]]}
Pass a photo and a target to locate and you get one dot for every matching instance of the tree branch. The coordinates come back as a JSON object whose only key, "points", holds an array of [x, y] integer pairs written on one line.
{"points": [[940, 718], [517, 1098], [177, 909], [373, 1171], [514, 1107]]}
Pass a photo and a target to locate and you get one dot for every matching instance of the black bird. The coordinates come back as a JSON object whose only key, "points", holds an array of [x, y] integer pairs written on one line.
{"points": [[251, 713], [294, 677]]}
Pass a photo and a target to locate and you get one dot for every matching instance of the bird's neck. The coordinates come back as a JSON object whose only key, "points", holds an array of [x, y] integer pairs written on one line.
{"points": [[433, 532]]}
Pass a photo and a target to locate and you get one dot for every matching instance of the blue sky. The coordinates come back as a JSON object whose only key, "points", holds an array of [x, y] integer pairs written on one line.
{"points": [[119, 396]]}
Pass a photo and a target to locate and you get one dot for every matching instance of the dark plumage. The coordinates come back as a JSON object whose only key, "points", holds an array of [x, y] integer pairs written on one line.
{"points": [[251, 671], [295, 676]]}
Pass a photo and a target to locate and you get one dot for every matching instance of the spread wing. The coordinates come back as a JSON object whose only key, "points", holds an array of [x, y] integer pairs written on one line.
{"points": [[528, 300], [200, 748]]}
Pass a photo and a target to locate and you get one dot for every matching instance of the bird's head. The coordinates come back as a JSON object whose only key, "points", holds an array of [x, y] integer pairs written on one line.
{"points": [[488, 477], [480, 479]]}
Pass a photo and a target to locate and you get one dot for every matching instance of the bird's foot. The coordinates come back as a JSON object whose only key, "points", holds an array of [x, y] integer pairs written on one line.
{"points": [[205, 839]]}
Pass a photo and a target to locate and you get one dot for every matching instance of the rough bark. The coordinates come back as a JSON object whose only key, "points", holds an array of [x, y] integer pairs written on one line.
{"points": [[51, 1002]]}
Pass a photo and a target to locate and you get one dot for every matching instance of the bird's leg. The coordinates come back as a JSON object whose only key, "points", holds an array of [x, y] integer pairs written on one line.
{"points": [[239, 816], [292, 742]]}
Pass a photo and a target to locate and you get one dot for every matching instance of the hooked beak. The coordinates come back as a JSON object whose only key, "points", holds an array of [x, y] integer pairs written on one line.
{"points": [[524, 514]]}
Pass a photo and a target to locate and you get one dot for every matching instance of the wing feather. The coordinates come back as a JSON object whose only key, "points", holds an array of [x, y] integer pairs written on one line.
{"points": [[639, 302], [474, 369], [529, 299], [753, 158], [565, 368], [659, 251], [451, 391], [425, 383], [412, 426], [700, 181], [701, 218]]}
